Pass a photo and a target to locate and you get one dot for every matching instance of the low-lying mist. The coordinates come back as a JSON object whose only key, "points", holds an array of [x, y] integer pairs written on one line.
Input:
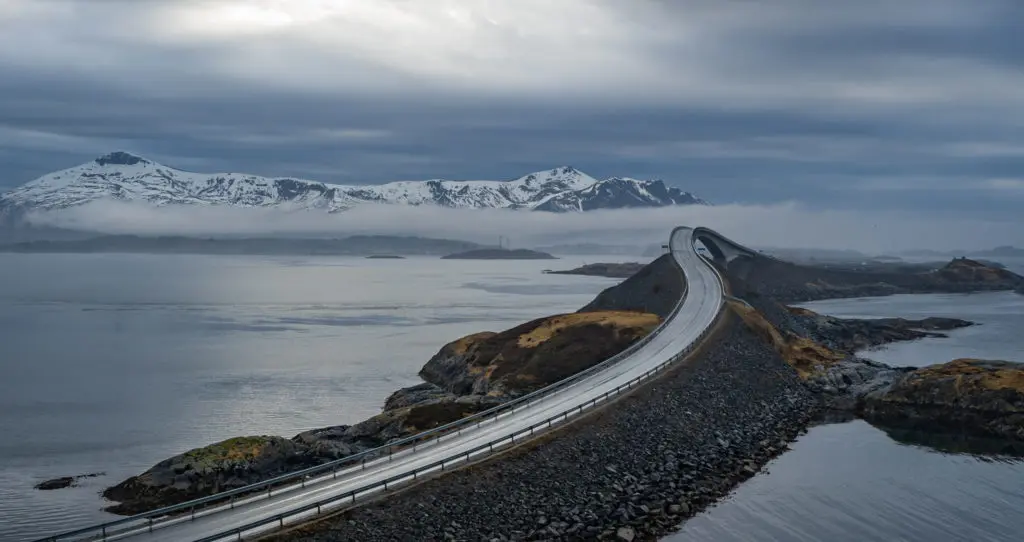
{"points": [[788, 225]]}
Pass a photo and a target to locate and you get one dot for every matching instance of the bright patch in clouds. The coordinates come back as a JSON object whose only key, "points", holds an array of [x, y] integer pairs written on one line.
{"points": [[1010, 185]]}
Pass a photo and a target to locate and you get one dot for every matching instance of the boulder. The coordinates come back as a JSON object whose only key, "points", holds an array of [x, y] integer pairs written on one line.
{"points": [[419, 393], [56, 483]]}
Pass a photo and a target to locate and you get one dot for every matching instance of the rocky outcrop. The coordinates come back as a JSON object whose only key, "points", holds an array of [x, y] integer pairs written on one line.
{"points": [[823, 348], [203, 471], [980, 397], [241, 461], [656, 289], [420, 393], [791, 283], [534, 354], [612, 270], [851, 334]]}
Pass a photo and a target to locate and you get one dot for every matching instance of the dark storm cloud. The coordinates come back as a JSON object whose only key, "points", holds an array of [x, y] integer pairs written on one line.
{"points": [[908, 104]]}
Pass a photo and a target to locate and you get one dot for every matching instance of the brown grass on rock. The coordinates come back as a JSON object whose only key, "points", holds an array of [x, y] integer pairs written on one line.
{"points": [[535, 354], [806, 356], [967, 375]]}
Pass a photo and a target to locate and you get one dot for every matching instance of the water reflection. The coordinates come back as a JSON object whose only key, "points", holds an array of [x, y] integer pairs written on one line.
{"points": [[984, 449], [852, 482]]}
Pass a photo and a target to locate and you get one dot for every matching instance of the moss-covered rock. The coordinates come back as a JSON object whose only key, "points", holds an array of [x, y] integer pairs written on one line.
{"points": [[225, 465], [534, 354], [980, 397]]}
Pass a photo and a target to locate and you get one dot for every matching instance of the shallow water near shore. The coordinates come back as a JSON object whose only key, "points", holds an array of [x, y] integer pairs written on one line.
{"points": [[113, 362], [852, 481]]}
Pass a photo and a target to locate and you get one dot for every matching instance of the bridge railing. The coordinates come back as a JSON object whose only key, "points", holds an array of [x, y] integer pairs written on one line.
{"points": [[461, 458], [267, 488]]}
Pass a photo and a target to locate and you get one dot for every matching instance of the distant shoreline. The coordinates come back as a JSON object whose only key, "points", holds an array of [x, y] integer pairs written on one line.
{"points": [[375, 246]]}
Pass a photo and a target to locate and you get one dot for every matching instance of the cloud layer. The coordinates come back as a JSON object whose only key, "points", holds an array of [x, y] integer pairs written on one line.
{"points": [[787, 225], [871, 104]]}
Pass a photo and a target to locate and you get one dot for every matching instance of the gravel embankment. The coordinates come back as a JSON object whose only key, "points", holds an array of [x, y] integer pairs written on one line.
{"points": [[631, 471]]}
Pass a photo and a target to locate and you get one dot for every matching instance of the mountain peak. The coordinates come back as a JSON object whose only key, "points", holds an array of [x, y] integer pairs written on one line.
{"points": [[124, 176], [121, 158]]}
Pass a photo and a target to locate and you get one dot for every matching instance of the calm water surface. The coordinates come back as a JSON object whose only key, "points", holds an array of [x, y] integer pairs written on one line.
{"points": [[111, 363], [852, 482]]}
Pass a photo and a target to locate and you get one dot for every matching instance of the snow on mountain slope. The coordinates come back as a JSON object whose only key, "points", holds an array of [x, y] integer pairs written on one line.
{"points": [[126, 177]]}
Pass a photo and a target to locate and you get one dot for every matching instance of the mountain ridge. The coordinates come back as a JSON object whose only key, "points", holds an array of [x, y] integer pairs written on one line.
{"points": [[125, 176]]}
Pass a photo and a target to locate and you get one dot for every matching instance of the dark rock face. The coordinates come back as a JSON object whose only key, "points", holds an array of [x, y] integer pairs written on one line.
{"points": [[792, 283], [657, 457], [120, 158], [420, 393], [656, 289], [619, 193], [977, 397]]}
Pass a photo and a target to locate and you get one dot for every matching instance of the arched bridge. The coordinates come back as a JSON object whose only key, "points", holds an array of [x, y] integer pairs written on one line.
{"points": [[300, 496]]}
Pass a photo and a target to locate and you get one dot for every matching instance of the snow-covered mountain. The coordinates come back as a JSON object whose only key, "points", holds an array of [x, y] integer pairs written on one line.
{"points": [[126, 177]]}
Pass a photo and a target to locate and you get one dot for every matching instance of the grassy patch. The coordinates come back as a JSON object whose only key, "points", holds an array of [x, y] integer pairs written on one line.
{"points": [[232, 449]]}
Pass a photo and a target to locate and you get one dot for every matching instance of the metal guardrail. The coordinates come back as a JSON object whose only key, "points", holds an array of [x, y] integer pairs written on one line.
{"points": [[148, 520], [484, 449]]}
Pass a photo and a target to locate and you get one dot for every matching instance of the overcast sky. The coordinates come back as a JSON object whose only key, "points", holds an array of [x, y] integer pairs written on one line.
{"points": [[913, 105]]}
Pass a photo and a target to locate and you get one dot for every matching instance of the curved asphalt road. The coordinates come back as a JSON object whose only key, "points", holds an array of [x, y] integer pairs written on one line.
{"points": [[702, 304]]}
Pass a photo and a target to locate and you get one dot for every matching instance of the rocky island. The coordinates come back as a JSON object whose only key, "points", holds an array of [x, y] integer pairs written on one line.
{"points": [[500, 254], [635, 471], [612, 270]]}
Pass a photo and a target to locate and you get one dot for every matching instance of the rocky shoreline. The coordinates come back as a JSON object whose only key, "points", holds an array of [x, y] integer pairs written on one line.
{"points": [[629, 472], [793, 283], [632, 471], [982, 398], [466, 376]]}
